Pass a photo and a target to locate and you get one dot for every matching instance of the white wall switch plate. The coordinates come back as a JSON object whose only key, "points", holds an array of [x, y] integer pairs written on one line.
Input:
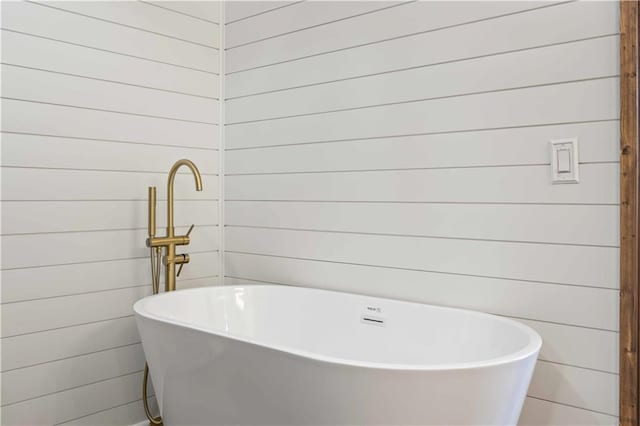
{"points": [[564, 161]]}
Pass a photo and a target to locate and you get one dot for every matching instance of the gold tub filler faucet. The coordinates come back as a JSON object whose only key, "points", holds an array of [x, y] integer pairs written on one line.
{"points": [[170, 258]]}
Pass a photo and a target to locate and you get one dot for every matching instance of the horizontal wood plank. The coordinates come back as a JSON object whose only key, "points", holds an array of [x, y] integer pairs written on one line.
{"points": [[463, 185], [197, 282], [26, 350], [296, 18], [62, 280], [575, 265], [29, 250], [516, 146], [30, 217], [75, 122], [152, 19], [578, 387], [206, 10], [236, 10], [46, 314], [577, 224], [46, 21], [39, 380], [42, 86], [565, 344], [538, 412], [121, 415], [47, 54], [97, 185], [23, 150], [68, 405]]}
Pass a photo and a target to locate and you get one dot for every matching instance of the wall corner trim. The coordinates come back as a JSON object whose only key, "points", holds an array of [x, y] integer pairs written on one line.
{"points": [[629, 201]]}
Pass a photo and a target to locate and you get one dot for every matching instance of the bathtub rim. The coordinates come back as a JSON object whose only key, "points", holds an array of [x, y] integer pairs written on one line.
{"points": [[532, 348]]}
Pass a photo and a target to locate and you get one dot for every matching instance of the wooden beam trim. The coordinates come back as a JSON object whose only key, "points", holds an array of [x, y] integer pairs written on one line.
{"points": [[629, 186]]}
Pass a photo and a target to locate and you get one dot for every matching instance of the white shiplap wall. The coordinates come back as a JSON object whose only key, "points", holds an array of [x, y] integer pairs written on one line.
{"points": [[401, 150], [98, 100]]}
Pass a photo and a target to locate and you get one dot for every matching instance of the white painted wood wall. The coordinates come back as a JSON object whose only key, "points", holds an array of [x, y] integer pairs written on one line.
{"points": [[401, 150], [98, 100]]}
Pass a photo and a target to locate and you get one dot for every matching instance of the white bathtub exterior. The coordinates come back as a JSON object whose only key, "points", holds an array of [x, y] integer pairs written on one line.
{"points": [[278, 355]]}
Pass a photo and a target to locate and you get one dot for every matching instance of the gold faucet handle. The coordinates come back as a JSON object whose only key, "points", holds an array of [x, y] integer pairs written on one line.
{"points": [[179, 269], [181, 259]]}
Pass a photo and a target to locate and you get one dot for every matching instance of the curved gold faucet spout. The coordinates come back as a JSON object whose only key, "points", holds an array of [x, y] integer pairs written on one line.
{"points": [[170, 184], [190, 165]]}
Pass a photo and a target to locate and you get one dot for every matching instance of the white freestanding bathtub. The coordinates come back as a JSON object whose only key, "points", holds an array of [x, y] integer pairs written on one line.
{"points": [[279, 355]]}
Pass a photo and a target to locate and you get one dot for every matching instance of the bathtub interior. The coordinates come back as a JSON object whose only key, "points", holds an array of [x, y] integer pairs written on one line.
{"points": [[346, 328]]}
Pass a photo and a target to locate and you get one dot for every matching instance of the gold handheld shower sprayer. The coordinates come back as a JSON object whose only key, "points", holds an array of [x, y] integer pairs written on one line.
{"points": [[170, 259]]}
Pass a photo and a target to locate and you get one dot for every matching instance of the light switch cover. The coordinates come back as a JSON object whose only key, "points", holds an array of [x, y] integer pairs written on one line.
{"points": [[564, 161]]}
